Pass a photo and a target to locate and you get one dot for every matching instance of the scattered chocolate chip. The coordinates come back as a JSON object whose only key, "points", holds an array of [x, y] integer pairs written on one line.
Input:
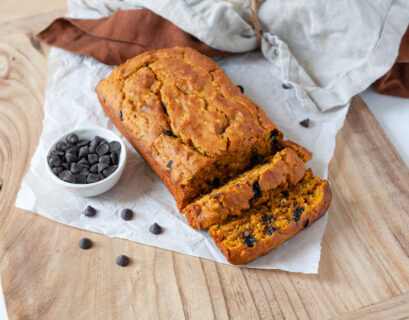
{"points": [[75, 168], [55, 161], [168, 133], [114, 146], [92, 177], [57, 170], [155, 228], [241, 88], [83, 151], [89, 211], [57, 153], [85, 243], [297, 213], [266, 218], [105, 159], [120, 115], [93, 158], [285, 194], [165, 109], [94, 168], [270, 230], [72, 138], [249, 240], [169, 165], [102, 166], [102, 148], [61, 146], [122, 260], [107, 172], [274, 133], [83, 142], [305, 123], [306, 223], [256, 190], [114, 158], [71, 157], [127, 214], [285, 86], [295, 203]]}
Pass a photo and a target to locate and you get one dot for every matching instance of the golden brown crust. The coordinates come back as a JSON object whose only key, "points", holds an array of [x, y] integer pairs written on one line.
{"points": [[187, 119], [244, 254], [229, 200]]}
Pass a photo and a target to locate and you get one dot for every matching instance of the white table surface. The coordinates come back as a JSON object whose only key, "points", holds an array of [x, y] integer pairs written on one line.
{"points": [[393, 115]]}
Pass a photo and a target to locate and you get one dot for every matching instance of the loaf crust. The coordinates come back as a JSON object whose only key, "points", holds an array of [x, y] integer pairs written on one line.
{"points": [[189, 122], [242, 253], [250, 188]]}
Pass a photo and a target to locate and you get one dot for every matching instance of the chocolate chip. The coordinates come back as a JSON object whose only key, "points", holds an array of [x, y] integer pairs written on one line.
{"points": [[256, 190], [68, 177], [102, 166], [285, 86], [71, 157], [93, 146], [295, 203], [126, 214], [107, 172], [271, 230], [72, 149], [55, 161], [72, 138], [84, 172], [165, 109], [57, 153], [62, 174], [274, 133], [266, 218], [114, 146], [297, 213], [105, 159], [155, 228], [89, 211], [80, 179], [169, 165], [61, 146], [241, 88], [93, 158], [102, 148], [305, 123], [83, 152], [84, 162], [66, 166], [122, 261], [75, 168], [85, 243], [168, 133], [57, 170], [114, 158], [83, 142], [94, 168], [92, 177], [285, 194], [120, 115], [249, 240], [306, 223]]}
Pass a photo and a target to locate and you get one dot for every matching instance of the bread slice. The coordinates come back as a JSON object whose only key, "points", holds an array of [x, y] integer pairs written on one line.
{"points": [[260, 229], [251, 188]]}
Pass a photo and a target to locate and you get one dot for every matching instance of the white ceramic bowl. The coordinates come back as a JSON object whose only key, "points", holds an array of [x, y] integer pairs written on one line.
{"points": [[96, 188]]}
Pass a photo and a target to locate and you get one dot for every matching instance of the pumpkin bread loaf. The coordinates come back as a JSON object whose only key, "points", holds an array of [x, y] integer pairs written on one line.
{"points": [[190, 123], [251, 188], [260, 229]]}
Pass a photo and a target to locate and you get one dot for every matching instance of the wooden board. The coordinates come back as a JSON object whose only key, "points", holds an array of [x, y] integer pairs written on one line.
{"points": [[364, 269]]}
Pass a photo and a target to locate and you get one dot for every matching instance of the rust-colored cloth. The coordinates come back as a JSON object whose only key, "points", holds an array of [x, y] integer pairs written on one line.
{"points": [[123, 35], [396, 81]]}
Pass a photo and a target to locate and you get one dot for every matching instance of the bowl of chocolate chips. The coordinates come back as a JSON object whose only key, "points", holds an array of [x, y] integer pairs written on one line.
{"points": [[87, 162]]}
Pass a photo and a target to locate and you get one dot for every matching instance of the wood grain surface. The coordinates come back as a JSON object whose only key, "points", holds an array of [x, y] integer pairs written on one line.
{"points": [[364, 269]]}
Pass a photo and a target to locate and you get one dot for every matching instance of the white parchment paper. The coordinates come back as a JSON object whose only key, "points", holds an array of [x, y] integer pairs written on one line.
{"points": [[72, 103]]}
